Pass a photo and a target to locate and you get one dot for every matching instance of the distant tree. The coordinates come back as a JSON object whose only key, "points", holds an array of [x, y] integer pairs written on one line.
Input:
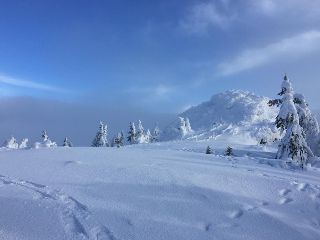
{"points": [[11, 143], [187, 125], [208, 151], [229, 152], [141, 135], [66, 143], [45, 135], [118, 140], [262, 141], [24, 143], [156, 133], [148, 137], [101, 137], [132, 134]]}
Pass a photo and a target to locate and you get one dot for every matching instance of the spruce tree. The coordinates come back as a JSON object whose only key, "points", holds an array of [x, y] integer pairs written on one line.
{"points": [[308, 122], [65, 143], [101, 137], [24, 143], [148, 137], [45, 135], [132, 134], [229, 151], [208, 151], [11, 143], [156, 133], [293, 145]]}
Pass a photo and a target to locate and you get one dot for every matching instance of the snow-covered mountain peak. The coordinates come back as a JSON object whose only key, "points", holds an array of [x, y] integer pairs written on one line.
{"points": [[233, 112], [231, 107]]}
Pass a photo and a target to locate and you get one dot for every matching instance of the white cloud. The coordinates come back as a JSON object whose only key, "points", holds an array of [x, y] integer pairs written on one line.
{"points": [[157, 92], [27, 84], [288, 47], [201, 16]]}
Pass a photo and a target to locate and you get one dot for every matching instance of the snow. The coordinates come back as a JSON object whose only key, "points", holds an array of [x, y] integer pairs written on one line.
{"points": [[237, 113], [166, 190]]}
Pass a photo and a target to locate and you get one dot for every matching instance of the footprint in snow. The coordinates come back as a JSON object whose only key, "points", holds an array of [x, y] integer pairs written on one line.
{"points": [[285, 200], [302, 186], [263, 203], [284, 192], [236, 214]]}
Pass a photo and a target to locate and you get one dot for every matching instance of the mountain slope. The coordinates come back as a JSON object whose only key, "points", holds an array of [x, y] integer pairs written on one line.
{"points": [[233, 113]]}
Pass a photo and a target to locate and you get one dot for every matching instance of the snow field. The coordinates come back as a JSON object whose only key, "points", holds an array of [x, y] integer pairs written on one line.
{"points": [[151, 192]]}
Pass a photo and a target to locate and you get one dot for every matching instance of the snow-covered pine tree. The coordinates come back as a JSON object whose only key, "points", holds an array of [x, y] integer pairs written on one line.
{"points": [[118, 140], [113, 141], [11, 143], [46, 141], [308, 122], [187, 125], [229, 151], [24, 143], [104, 139], [141, 138], [208, 151], [101, 137], [293, 145], [156, 133], [148, 137], [45, 135], [65, 143], [132, 134]]}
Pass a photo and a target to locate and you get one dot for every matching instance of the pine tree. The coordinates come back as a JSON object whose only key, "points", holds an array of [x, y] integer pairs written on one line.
{"points": [[65, 143], [148, 137], [208, 151], [24, 143], [11, 143], [141, 135], [118, 140], [156, 133], [132, 134], [101, 137], [229, 151], [308, 122], [45, 135], [187, 125], [140, 128], [293, 145]]}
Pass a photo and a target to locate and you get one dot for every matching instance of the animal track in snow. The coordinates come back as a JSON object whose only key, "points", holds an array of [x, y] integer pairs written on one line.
{"points": [[75, 216]]}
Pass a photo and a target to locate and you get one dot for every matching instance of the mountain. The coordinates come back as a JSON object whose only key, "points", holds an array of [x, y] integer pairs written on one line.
{"points": [[240, 114]]}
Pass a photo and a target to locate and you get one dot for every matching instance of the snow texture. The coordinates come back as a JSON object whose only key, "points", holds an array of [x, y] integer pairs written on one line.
{"points": [[167, 190]]}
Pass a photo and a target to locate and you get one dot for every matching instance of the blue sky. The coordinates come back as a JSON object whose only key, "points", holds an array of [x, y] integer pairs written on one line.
{"points": [[160, 56]]}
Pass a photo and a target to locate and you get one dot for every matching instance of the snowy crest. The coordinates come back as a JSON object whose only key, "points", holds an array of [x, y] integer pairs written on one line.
{"points": [[234, 112]]}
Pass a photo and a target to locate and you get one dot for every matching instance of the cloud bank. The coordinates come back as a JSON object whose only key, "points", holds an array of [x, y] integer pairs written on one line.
{"points": [[296, 46]]}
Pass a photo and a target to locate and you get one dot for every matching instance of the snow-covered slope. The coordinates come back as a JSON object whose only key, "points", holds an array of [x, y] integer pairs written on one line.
{"points": [[240, 114], [151, 192]]}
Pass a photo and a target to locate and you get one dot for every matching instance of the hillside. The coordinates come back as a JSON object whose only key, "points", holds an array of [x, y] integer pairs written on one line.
{"points": [[241, 115]]}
